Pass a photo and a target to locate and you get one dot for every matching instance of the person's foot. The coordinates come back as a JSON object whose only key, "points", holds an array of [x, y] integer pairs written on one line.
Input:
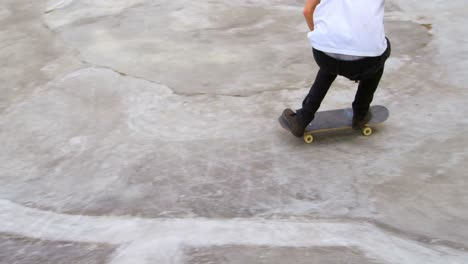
{"points": [[294, 123], [359, 121]]}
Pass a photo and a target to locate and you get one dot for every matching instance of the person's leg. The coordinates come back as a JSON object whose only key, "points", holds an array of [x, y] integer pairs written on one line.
{"points": [[317, 93], [369, 72], [364, 97], [297, 122]]}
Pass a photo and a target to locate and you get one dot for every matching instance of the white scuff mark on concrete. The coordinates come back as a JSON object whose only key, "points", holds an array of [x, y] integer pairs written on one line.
{"points": [[143, 237], [57, 4], [151, 251], [84, 9]]}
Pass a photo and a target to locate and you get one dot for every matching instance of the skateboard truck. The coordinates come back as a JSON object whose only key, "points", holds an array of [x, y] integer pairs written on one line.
{"points": [[308, 138]]}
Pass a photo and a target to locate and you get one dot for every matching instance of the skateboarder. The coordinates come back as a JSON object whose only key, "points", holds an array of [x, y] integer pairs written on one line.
{"points": [[347, 39]]}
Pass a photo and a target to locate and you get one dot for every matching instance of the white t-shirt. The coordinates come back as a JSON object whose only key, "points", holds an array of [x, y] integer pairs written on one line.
{"points": [[349, 27]]}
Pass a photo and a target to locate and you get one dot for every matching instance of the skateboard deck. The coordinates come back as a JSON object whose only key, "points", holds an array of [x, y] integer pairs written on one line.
{"points": [[342, 119]]}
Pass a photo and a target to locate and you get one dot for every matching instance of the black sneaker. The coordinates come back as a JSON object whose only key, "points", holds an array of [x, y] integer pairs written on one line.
{"points": [[291, 121], [359, 121]]}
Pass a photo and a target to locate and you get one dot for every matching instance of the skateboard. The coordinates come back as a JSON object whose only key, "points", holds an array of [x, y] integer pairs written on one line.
{"points": [[342, 119]]}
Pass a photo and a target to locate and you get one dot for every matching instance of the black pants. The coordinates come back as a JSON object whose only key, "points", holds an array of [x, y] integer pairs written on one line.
{"points": [[367, 71]]}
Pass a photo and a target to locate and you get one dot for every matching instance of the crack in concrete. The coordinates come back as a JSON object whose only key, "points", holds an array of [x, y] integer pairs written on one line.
{"points": [[247, 95], [96, 18], [80, 57], [418, 237], [121, 73], [58, 6], [380, 225]]}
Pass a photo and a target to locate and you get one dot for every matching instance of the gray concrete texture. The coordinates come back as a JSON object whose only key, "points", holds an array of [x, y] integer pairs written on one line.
{"points": [[31, 251], [138, 131], [230, 255]]}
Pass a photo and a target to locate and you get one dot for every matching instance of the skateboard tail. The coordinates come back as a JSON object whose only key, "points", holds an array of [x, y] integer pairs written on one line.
{"points": [[283, 123]]}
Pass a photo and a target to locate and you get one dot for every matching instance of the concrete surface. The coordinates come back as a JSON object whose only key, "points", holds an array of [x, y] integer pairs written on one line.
{"points": [[23, 250], [331, 255], [137, 131]]}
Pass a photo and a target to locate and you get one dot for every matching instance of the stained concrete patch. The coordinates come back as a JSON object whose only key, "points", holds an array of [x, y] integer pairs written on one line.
{"points": [[412, 192], [30, 54], [226, 47], [447, 23], [17, 249], [163, 240], [399, 31], [84, 10], [281, 255], [215, 46], [79, 119]]}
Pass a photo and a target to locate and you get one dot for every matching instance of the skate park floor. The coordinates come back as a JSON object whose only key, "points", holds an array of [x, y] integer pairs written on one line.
{"points": [[137, 131]]}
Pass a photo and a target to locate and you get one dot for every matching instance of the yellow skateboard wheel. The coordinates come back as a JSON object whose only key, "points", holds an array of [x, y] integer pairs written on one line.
{"points": [[367, 131], [308, 138]]}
